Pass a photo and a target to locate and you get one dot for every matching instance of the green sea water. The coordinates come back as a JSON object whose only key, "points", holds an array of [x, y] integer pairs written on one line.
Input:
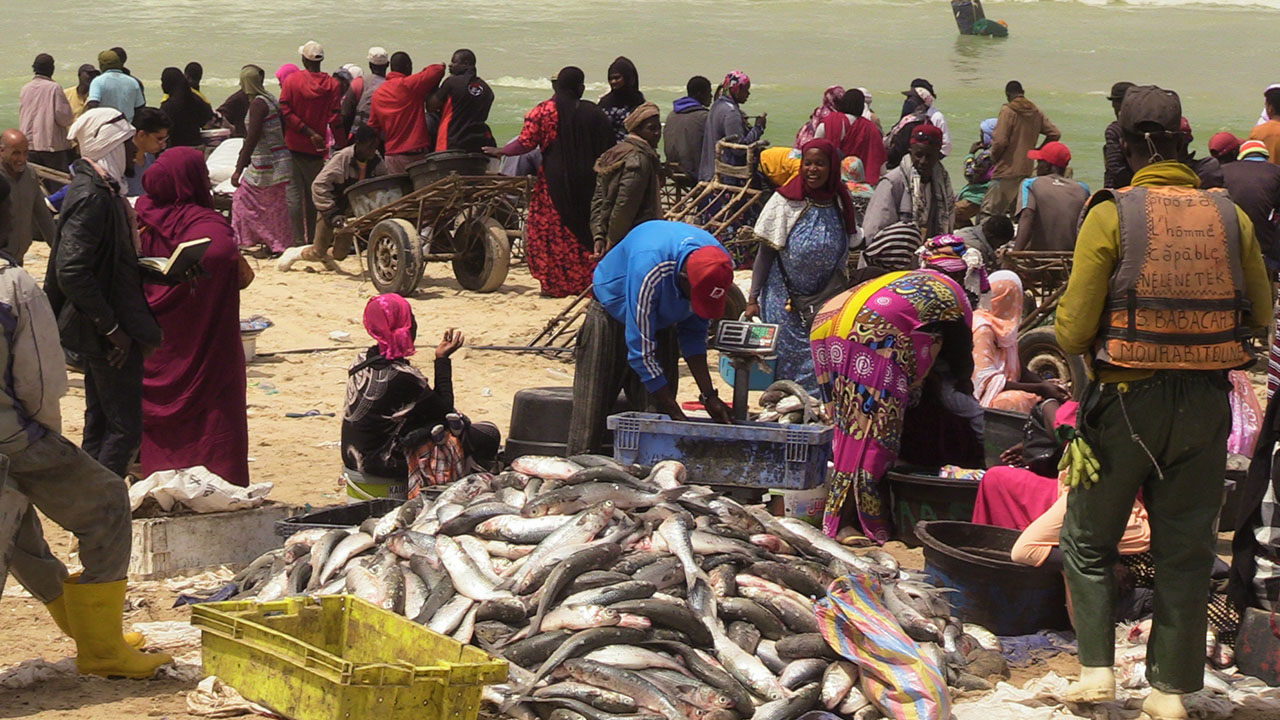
{"points": [[1219, 57]]}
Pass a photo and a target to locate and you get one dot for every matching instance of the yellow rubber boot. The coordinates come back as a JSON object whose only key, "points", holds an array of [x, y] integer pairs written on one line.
{"points": [[94, 613], [1096, 684], [58, 610], [1164, 706]]}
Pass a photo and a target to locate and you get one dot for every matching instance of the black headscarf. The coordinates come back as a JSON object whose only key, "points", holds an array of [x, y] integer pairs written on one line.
{"points": [[185, 109], [583, 133], [629, 95]]}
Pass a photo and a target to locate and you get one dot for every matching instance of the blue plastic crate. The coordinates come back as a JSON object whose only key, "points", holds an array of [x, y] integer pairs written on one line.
{"points": [[756, 455], [760, 380]]}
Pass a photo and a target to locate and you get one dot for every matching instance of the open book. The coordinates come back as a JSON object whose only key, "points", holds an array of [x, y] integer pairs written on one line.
{"points": [[184, 257]]}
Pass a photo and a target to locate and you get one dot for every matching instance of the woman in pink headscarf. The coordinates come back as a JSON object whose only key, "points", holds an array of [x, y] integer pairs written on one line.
{"points": [[392, 410], [285, 71], [193, 393], [830, 104], [999, 380]]}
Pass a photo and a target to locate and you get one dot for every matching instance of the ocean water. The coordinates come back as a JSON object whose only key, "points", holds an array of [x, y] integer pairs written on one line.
{"points": [[1216, 54]]}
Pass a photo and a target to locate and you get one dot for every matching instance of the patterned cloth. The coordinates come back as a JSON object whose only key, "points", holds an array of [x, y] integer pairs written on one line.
{"points": [[871, 355], [271, 163], [815, 249], [260, 216], [553, 252], [995, 346], [1266, 578], [901, 682]]}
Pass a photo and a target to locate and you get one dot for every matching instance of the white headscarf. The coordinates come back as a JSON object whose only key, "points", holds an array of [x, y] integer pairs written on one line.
{"points": [[354, 69], [101, 134], [866, 107]]}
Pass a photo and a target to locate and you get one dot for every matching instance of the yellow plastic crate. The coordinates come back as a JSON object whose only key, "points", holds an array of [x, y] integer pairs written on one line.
{"points": [[339, 657]]}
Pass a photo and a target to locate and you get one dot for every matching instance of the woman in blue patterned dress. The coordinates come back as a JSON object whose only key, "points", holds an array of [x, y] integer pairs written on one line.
{"points": [[804, 233]]}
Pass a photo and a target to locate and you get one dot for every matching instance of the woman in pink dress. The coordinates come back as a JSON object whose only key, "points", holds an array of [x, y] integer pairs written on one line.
{"points": [[193, 394]]}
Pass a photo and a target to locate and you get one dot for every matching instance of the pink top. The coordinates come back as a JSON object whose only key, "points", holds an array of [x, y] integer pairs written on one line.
{"points": [[44, 115]]}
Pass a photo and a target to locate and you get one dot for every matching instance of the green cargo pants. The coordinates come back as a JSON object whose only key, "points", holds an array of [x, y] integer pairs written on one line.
{"points": [[1183, 419]]}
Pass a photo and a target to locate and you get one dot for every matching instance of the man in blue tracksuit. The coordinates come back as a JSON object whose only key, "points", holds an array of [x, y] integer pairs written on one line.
{"points": [[655, 294]]}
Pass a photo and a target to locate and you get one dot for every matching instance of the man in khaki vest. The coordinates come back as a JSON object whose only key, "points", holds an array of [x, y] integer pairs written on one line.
{"points": [[1168, 285]]}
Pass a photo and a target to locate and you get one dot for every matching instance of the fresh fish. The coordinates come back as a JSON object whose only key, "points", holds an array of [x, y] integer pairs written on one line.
{"points": [[708, 670], [857, 706], [610, 594], [521, 530], [387, 524], [721, 578], [985, 637], [767, 651], [308, 537], [566, 647], [639, 622], [706, 543], [503, 549], [675, 530], [592, 579], [734, 515], [573, 709], [549, 468], [803, 579], [491, 633], [917, 626], [634, 658], [668, 474], [473, 515], [450, 616], [528, 652], [467, 578], [349, 547], [580, 529], [668, 614], [579, 497], [747, 668], [737, 608], [446, 513], [801, 672], [278, 584], [684, 686], [801, 534], [837, 680], [601, 473], [367, 585], [441, 593], [475, 549], [799, 703], [299, 575], [411, 543], [510, 479], [580, 617], [606, 700], [430, 574], [415, 593], [645, 693], [634, 561], [797, 616], [506, 609], [468, 625], [744, 635], [807, 645], [663, 574], [588, 558], [513, 497], [320, 552]]}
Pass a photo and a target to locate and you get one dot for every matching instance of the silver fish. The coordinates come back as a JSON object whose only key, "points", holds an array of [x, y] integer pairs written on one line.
{"points": [[521, 530], [839, 678], [466, 577], [580, 529], [746, 668], [630, 683], [503, 549], [580, 617], [306, 537], [410, 543], [467, 627], [668, 474], [675, 530], [350, 547], [450, 615], [368, 585], [415, 593], [320, 553], [634, 658], [549, 468], [799, 703], [475, 548], [801, 672]]}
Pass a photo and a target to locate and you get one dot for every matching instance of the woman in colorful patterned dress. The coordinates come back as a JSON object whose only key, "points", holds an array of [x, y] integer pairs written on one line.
{"points": [[571, 133], [894, 362], [260, 206]]}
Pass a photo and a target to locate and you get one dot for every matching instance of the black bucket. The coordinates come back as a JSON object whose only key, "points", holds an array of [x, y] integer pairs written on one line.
{"points": [[336, 518], [915, 496], [1003, 596], [540, 422], [437, 166], [1001, 430]]}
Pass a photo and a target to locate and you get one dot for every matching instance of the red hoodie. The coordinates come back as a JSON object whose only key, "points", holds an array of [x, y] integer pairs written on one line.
{"points": [[311, 100], [398, 109]]}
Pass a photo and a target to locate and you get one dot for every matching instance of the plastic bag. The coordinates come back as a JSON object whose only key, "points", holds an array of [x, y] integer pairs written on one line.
{"points": [[895, 677], [222, 161], [197, 488]]}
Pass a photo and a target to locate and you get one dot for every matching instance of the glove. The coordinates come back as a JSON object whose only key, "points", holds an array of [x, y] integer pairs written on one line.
{"points": [[1080, 464]]}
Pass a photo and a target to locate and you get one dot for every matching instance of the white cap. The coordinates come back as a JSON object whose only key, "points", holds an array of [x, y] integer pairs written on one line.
{"points": [[378, 56], [354, 70], [312, 51]]}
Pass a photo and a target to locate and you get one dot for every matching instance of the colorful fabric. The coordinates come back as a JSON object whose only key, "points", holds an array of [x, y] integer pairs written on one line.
{"points": [[389, 320], [902, 683], [735, 79], [555, 255], [1013, 497], [260, 216], [270, 162], [830, 99], [780, 165], [1246, 414], [436, 462], [871, 357], [816, 248], [193, 391], [948, 253], [854, 176]]}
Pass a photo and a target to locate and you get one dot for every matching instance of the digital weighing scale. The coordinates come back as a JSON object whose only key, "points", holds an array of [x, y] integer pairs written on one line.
{"points": [[746, 343]]}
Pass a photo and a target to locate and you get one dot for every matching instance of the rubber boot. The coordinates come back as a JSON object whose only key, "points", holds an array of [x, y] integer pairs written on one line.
{"points": [[58, 610], [1096, 684], [94, 613], [1164, 706]]}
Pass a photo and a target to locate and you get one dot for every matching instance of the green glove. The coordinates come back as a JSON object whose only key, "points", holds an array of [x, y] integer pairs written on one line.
{"points": [[1080, 464]]}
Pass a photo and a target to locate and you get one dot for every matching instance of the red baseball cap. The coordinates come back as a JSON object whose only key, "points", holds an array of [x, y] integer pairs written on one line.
{"points": [[710, 272], [1223, 142], [927, 134], [1054, 153]]}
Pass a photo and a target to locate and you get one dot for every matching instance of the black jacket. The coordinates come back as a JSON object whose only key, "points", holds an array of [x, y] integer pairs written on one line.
{"points": [[93, 281]]}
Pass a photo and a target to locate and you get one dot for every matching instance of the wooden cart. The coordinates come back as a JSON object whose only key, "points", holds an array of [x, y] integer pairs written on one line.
{"points": [[469, 221], [1044, 276]]}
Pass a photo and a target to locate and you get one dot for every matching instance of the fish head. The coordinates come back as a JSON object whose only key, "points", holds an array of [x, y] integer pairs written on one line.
{"points": [[533, 510], [638, 622]]}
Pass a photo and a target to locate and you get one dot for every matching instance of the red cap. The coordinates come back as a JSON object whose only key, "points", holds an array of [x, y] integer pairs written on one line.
{"points": [[1223, 142], [710, 272], [1054, 153], [927, 134]]}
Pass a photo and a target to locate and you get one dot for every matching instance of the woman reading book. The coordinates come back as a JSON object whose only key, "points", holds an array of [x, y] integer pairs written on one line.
{"points": [[193, 397]]}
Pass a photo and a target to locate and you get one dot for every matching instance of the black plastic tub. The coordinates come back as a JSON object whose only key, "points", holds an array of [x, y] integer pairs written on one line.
{"points": [[1001, 430], [540, 422], [338, 517], [1002, 596], [369, 195], [916, 495], [437, 166]]}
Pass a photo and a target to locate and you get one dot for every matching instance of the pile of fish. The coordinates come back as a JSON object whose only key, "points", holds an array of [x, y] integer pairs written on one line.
{"points": [[785, 401], [615, 593]]}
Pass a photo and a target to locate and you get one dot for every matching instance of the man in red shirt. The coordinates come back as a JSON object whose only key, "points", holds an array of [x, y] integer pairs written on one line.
{"points": [[310, 104], [398, 112]]}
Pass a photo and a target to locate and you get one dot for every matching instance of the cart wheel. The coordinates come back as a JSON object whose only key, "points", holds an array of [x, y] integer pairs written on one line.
{"points": [[395, 256], [484, 254], [1040, 353], [734, 305]]}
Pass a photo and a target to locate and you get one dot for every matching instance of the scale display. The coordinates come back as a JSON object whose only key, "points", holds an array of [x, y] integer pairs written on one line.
{"points": [[737, 336]]}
